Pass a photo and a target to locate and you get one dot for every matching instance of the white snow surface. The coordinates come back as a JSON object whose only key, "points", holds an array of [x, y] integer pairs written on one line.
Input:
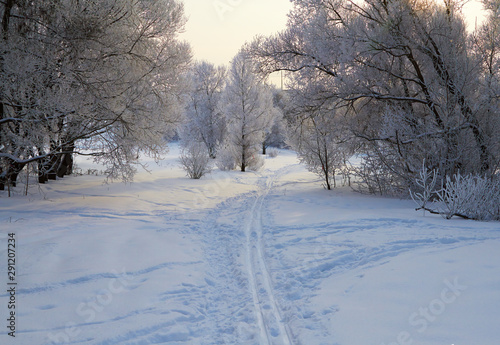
{"points": [[265, 257]]}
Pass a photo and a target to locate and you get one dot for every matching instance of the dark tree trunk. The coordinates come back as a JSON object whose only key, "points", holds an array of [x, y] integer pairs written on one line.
{"points": [[11, 174], [42, 176], [46, 169], [14, 171], [243, 163], [65, 166], [52, 168], [2, 181]]}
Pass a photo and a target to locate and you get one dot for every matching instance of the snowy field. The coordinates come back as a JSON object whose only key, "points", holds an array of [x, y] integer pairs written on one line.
{"points": [[242, 258]]}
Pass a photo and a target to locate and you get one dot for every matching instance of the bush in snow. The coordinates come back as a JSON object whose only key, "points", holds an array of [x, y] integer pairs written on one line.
{"points": [[230, 157], [195, 160], [225, 159], [273, 152], [317, 141], [471, 197], [426, 182], [255, 162]]}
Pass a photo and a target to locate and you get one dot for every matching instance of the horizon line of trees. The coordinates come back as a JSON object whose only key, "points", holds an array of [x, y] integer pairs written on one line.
{"points": [[393, 82]]}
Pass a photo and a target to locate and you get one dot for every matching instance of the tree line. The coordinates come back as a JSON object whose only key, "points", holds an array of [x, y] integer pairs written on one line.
{"points": [[394, 83], [99, 78]]}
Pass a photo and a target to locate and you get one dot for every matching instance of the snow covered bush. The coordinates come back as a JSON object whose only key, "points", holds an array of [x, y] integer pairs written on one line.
{"points": [[471, 196], [255, 162], [273, 152], [426, 182], [225, 159], [372, 177], [230, 157], [317, 147], [195, 160]]}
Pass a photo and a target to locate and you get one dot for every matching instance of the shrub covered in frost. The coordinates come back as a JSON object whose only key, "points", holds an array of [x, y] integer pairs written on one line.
{"points": [[471, 197], [195, 160], [273, 152]]}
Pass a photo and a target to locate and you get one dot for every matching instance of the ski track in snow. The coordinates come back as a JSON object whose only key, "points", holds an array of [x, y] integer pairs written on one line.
{"points": [[242, 300], [273, 330]]}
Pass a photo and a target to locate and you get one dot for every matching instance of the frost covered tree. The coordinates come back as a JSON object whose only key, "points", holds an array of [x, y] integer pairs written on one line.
{"points": [[319, 147], [316, 129], [407, 76], [275, 135], [100, 78], [249, 110], [204, 120], [487, 49]]}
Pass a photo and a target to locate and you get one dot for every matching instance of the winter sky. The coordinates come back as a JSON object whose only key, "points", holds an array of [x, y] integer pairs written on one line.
{"points": [[217, 29]]}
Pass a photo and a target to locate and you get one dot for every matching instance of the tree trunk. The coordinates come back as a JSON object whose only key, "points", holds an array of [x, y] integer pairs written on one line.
{"points": [[2, 181], [42, 174], [15, 170], [328, 186], [243, 163], [65, 166], [52, 168]]}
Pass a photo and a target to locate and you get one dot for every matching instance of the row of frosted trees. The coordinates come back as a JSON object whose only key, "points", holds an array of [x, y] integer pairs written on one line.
{"points": [[397, 83], [393, 82], [231, 115], [99, 78]]}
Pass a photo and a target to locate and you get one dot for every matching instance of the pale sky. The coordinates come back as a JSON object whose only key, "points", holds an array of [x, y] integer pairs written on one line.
{"points": [[217, 29]]}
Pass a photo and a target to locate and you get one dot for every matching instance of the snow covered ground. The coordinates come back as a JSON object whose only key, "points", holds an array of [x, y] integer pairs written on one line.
{"points": [[243, 258]]}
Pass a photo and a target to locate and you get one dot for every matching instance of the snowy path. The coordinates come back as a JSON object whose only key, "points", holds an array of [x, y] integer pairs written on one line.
{"points": [[273, 330], [242, 299]]}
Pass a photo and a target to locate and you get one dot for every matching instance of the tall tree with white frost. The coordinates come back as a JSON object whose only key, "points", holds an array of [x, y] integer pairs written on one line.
{"points": [[204, 120], [249, 110], [93, 77]]}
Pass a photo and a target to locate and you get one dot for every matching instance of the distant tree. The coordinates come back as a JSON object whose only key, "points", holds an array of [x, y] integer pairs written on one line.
{"points": [[318, 135], [100, 78], [204, 120], [317, 147], [249, 111], [275, 135]]}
